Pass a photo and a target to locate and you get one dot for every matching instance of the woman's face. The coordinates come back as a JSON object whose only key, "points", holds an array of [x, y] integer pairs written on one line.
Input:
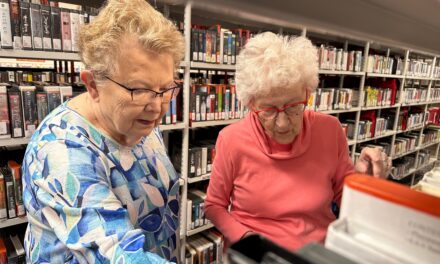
{"points": [[126, 120], [287, 124]]}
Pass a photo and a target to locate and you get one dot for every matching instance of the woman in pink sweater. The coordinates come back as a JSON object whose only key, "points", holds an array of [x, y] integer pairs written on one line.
{"points": [[278, 170]]}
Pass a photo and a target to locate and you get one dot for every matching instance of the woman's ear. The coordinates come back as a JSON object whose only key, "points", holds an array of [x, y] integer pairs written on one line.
{"points": [[88, 79]]}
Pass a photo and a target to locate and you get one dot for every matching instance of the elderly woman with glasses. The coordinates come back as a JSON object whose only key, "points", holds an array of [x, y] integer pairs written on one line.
{"points": [[278, 171], [98, 185]]}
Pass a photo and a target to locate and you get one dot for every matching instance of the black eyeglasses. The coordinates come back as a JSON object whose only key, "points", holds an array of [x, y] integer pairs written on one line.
{"points": [[142, 96]]}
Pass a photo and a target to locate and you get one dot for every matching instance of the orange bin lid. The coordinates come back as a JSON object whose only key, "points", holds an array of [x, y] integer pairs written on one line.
{"points": [[395, 193]]}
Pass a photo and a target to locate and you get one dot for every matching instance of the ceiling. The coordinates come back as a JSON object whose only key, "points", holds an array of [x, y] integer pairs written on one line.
{"points": [[406, 24]]}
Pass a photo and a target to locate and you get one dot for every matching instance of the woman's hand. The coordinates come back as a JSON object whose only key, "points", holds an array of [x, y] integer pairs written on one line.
{"points": [[374, 161]]}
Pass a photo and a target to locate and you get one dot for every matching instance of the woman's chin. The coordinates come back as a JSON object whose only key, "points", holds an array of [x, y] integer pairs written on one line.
{"points": [[285, 139]]}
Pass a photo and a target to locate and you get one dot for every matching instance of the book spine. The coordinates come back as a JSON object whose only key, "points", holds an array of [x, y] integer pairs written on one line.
{"points": [[10, 193], [42, 107], [233, 48], [66, 32], [173, 111], [25, 22], [194, 45], [36, 27], [15, 24], [55, 20], [16, 114], [74, 22], [53, 98], [5, 26], [30, 116], [46, 27], [3, 209], [18, 188], [192, 163], [4, 113]]}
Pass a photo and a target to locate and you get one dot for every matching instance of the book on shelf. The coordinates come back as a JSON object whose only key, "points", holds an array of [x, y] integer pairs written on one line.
{"points": [[203, 250], [15, 169], [30, 117], [384, 65], [15, 112], [42, 104], [46, 27], [324, 99], [10, 192], [190, 254], [200, 158], [5, 27], [53, 97], [3, 252], [173, 111], [3, 199], [66, 30], [217, 239], [36, 27], [334, 59], [16, 24], [5, 131], [214, 44], [14, 249], [66, 93], [25, 22], [55, 21], [419, 68], [191, 162], [74, 25], [213, 102], [195, 211]]}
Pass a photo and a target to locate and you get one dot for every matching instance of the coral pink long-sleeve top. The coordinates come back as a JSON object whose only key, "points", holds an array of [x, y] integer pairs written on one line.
{"points": [[283, 192]]}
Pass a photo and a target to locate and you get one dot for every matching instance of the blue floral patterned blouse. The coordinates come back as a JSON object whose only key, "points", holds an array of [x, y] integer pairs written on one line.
{"points": [[91, 200]]}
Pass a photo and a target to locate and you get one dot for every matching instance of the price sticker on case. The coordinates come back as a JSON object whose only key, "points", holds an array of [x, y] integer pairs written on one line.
{"points": [[3, 128]]}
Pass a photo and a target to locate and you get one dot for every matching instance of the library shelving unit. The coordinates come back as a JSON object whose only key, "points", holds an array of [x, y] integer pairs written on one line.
{"points": [[192, 13]]}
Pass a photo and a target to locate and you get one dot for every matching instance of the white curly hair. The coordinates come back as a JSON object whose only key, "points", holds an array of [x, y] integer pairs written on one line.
{"points": [[269, 61]]}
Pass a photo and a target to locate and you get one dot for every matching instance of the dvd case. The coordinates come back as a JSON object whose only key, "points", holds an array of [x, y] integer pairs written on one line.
{"points": [[25, 21], [30, 117], [74, 25], [5, 131], [46, 27], [15, 112], [36, 27], [5, 26], [15, 24], [55, 21], [66, 37]]}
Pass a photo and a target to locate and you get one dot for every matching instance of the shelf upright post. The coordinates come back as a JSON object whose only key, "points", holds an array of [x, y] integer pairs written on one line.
{"points": [[361, 95], [185, 132], [425, 108], [396, 117]]}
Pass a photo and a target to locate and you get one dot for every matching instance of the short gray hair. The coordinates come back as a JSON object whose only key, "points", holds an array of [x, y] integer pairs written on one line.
{"points": [[269, 61], [99, 41]]}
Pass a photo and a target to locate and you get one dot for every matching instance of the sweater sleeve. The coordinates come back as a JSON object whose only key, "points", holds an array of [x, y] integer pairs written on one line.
{"points": [[344, 166], [219, 194]]}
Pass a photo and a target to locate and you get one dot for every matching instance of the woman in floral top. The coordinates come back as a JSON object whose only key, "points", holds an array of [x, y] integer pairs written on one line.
{"points": [[98, 185]]}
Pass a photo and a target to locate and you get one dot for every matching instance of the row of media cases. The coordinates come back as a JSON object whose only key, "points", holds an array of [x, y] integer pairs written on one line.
{"points": [[25, 104], [53, 26]]}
